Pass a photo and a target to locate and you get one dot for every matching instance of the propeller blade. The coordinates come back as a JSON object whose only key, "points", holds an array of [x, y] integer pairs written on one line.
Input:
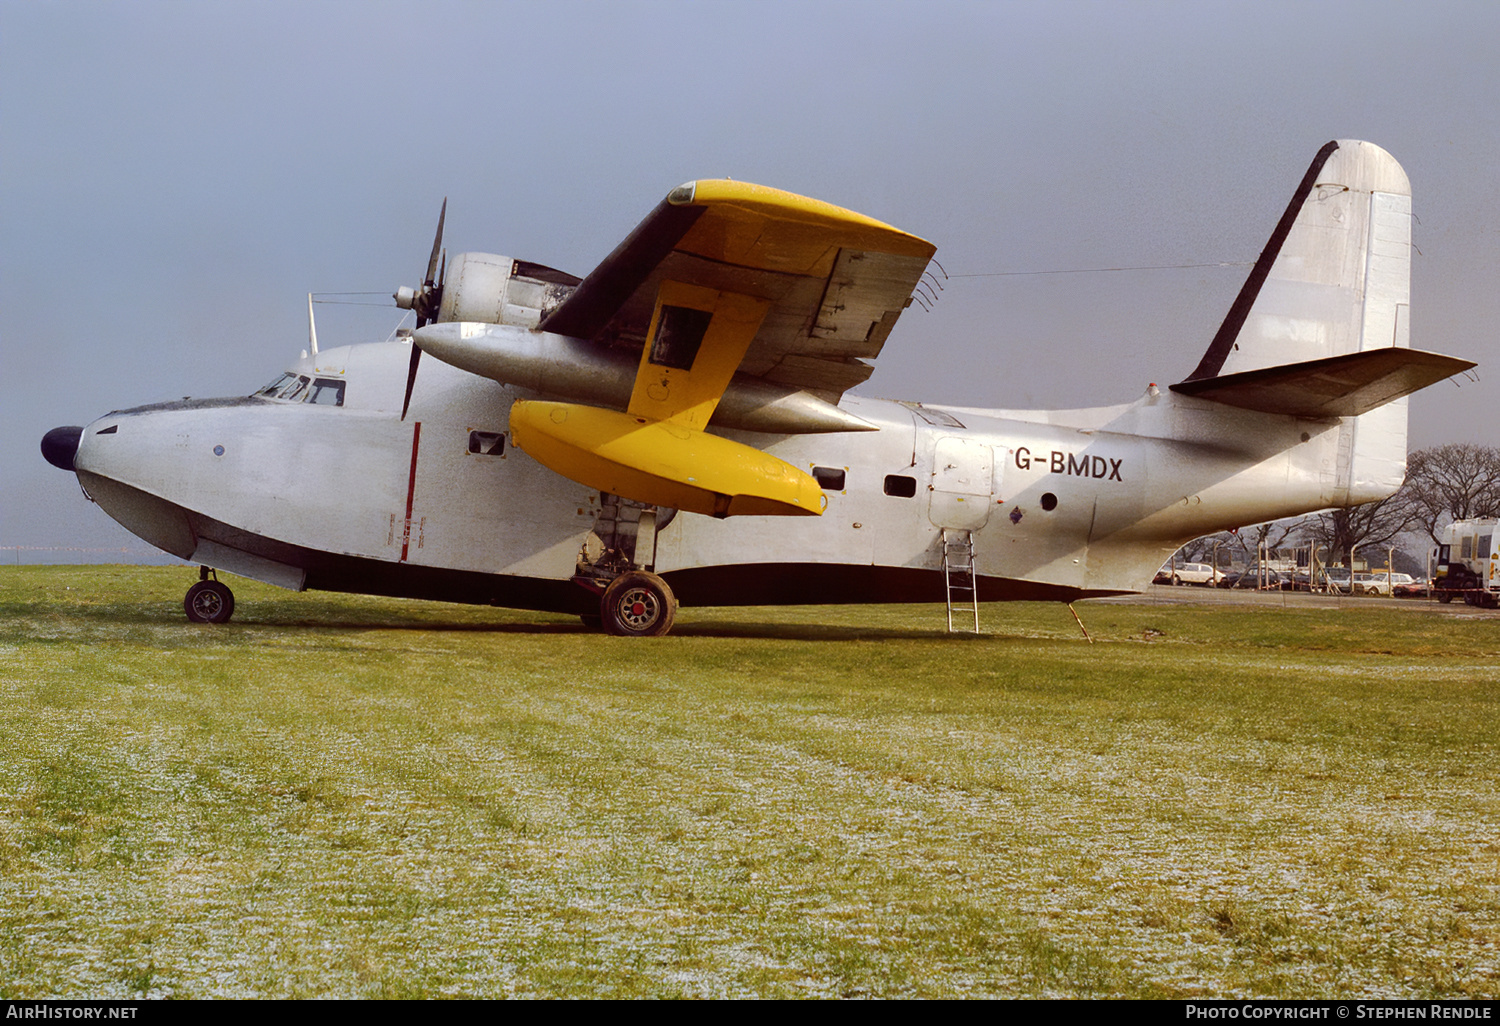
{"points": [[425, 302], [437, 244], [411, 376]]}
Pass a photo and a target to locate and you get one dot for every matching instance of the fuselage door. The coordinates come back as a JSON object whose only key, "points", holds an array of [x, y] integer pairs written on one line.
{"points": [[963, 472]]}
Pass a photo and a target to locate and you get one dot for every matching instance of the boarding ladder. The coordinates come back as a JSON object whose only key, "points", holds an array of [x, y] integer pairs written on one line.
{"points": [[958, 574]]}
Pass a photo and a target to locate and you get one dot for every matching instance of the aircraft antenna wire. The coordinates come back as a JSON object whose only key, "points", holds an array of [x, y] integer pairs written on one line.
{"points": [[346, 302], [1104, 270]]}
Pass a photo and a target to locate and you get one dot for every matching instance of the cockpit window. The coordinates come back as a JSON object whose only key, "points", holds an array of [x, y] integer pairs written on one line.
{"points": [[299, 388], [327, 392], [272, 390], [294, 392]]}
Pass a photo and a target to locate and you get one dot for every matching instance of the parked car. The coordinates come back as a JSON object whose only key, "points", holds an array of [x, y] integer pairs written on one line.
{"points": [[1335, 579], [1192, 573], [1252, 577], [1379, 583], [1416, 589]]}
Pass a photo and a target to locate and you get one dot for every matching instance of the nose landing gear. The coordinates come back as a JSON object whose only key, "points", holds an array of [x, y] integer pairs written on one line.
{"points": [[208, 601]]}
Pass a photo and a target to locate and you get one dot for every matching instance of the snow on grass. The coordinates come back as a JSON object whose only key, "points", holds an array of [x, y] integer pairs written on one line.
{"points": [[362, 797]]}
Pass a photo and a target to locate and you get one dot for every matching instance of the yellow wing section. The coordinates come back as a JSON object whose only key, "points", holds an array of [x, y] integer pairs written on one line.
{"points": [[697, 339], [722, 277], [661, 462]]}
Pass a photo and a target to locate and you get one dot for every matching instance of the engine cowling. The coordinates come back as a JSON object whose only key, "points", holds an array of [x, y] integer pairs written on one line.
{"points": [[493, 289]]}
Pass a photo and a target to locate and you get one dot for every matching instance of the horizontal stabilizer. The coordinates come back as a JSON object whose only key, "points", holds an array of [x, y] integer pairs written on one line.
{"points": [[1336, 386]]}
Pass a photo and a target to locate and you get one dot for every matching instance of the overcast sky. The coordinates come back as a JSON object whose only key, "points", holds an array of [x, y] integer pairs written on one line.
{"points": [[177, 176]]}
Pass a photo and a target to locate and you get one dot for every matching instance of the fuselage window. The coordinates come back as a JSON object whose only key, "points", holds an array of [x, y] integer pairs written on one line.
{"points": [[901, 486], [327, 392], [830, 479], [487, 443]]}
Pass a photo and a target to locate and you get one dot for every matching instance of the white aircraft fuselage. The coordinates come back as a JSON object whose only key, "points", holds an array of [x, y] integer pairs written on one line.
{"points": [[1063, 504]]}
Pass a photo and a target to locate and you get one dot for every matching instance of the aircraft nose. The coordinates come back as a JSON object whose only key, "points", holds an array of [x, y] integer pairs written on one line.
{"points": [[60, 445]]}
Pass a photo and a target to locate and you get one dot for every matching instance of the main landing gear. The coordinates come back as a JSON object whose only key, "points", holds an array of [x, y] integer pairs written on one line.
{"points": [[208, 601], [637, 604], [633, 601]]}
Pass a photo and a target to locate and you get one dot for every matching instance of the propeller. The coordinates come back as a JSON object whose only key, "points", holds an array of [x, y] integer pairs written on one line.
{"points": [[425, 301]]}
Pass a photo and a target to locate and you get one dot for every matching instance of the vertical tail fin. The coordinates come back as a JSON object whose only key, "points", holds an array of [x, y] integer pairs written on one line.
{"points": [[1335, 276], [1333, 283]]}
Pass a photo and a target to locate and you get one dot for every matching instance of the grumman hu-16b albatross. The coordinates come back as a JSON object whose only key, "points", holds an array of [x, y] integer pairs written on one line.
{"points": [[674, 428]]}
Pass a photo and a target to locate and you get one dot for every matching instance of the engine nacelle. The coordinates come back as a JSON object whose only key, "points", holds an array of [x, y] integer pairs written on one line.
{"points": [[494, 289]]}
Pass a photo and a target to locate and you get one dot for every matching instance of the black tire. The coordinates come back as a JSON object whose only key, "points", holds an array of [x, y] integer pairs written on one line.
{"points": [[638, 605], [1445, 597], [209, 602]]}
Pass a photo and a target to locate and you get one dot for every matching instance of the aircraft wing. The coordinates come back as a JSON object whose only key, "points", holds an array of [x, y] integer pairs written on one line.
{"points": [[822, 285], [722, 277]]}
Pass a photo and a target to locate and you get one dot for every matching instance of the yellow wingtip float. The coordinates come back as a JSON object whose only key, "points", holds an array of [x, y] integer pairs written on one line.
{"points": [[661, 462]]}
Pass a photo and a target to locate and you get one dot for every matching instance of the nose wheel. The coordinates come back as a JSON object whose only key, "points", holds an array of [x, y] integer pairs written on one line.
{"points": [[209, 602], [638, 605]]}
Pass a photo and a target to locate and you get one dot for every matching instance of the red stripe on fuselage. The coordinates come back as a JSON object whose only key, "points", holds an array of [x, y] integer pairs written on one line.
{"points": [[411, 489]]}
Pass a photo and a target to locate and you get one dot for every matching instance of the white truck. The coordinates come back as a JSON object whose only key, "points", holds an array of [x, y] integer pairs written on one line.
{"points": [[1468, 563]]}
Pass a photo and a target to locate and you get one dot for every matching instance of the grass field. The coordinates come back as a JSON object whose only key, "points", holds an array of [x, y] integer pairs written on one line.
{"points": [[357, 797]]}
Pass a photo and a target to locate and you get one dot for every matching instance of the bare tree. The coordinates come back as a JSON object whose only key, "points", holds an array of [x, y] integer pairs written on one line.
{"points": [[1273, 534], [1452, 482], [1202, 550], [1246, 541], [1374, 523]]}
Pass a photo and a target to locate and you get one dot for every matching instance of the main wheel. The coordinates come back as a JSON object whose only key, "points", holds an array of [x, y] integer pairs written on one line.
{"points": [[638, 605], [209, 602]]}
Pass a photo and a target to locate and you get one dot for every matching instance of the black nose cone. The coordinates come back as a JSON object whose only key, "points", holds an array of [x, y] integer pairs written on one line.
{"points": [[60, 445]]}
